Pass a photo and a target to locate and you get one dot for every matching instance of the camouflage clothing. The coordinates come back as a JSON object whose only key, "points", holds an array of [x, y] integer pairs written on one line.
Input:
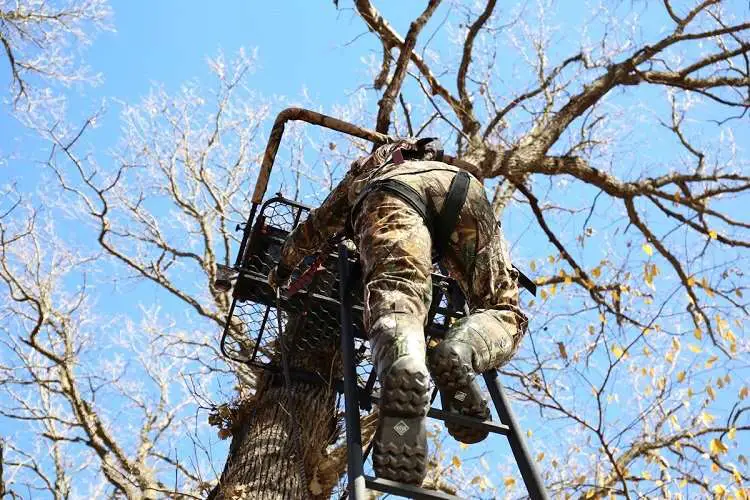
{"points": [[395, 249]]}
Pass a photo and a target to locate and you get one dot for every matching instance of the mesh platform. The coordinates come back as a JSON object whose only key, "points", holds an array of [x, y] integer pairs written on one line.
{"points": [[251, 332]]}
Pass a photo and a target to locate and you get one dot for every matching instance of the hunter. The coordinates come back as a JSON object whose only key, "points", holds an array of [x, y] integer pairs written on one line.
{"points": [[391, 203]]}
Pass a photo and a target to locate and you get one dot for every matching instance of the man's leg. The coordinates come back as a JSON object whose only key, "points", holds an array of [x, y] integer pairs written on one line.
{"points": [[395, 251], [489, 337], [472, 346]]}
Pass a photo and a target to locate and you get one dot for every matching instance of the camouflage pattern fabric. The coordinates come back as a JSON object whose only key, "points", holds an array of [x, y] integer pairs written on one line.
{"points": [[331, 216], [395, 248]]}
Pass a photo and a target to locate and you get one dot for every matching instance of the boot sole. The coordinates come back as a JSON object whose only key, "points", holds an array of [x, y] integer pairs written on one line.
{"points": [[460, 392], [400, 448]]}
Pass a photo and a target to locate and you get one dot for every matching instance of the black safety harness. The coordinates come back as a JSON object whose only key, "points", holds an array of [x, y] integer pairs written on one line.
{"points": [[441, 225]]}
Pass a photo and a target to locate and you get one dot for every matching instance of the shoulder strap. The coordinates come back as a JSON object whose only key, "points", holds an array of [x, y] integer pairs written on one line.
{"points": [[526, 282], [454, 202]]}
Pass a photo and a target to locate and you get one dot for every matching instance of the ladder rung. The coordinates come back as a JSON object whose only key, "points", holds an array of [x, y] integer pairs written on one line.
{"points": [[475, 423], [457, 418], [406, 490]]}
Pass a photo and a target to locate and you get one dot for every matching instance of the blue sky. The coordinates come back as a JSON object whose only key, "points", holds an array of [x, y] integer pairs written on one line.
{"points": [[301, 49]]}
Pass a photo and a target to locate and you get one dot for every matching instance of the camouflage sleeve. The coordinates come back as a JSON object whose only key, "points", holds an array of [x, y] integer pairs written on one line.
{"points": [[321, 224]]}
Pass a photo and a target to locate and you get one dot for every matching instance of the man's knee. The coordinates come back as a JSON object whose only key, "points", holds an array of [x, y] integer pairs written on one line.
{"points": [[492, 336]]}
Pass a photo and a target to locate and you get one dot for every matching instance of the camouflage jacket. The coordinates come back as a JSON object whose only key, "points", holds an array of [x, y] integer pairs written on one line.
{"points": [[331, 216]]}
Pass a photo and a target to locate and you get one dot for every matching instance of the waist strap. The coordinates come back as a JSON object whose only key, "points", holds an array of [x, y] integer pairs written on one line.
{"points": [[440, 227]]}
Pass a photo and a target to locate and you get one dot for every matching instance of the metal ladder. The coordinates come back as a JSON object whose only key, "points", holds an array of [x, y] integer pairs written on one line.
{"points": [[355, 398]]}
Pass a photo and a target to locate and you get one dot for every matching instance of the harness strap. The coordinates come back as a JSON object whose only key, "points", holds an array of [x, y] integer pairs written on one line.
{"points": [[440, 227], [402, 190], [454, 202]]}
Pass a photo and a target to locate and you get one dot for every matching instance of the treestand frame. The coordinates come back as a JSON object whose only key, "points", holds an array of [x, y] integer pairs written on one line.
{"points": [[329, 305]]}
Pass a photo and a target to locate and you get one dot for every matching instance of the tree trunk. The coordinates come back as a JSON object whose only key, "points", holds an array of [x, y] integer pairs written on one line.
{"points": [[264, 458]]}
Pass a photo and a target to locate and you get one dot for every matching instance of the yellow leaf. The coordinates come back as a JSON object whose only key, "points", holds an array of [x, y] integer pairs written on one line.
{"points": [[540, 456], [529, 433], [456, 462], [681, 376], [683, 483], [732, 433], [646, 475], [463, 446], [729, 335], [719, 489], [736, 475], [710, 361], [711, 393], [744, 393], [596, 272], [617, 351], [698, 334], [691, 281], [509, 481], [714, 468], [694, 348], [568, 280], [551, 259], [707, 418], [674, 422], [647, 248], [676, 343], [532, 266], [717, 447], [543, 294], [712, 234], [661, 383]]}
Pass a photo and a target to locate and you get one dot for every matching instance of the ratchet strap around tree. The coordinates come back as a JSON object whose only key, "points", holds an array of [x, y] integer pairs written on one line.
{"points": [[314, 268]]}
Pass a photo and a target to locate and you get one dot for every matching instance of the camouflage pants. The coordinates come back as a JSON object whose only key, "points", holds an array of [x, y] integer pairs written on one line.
{"points": [[395, 249]]}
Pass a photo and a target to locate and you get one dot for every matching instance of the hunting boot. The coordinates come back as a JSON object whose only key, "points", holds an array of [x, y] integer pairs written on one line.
{"points": [[472, 346], [400, 448]]}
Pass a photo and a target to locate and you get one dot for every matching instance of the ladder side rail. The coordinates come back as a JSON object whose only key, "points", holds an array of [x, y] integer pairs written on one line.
{"points": [[355, 465], [529, 473]]}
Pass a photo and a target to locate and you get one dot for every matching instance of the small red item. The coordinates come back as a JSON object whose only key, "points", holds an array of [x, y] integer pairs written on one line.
{"points": [[306, 277], [397, 157]]}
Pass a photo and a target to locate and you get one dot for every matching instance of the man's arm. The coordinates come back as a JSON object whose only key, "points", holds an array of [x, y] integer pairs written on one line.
{"points": [[322, 223]]}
